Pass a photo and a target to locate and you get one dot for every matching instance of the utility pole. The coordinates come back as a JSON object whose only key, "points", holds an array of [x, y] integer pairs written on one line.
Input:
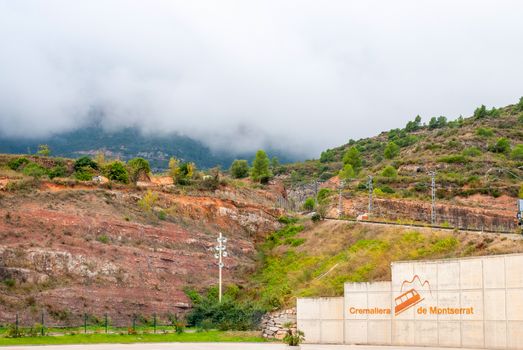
{"points": [[433, 194], [340, 203], [369, 185], [221, 252]]}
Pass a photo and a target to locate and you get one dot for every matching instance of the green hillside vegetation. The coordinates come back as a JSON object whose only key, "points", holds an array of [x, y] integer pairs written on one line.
{"points": [[305, 259], [479, 154]]}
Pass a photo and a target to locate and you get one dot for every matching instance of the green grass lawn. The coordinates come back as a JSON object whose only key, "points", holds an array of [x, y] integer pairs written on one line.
{"points": [[210, 336]]}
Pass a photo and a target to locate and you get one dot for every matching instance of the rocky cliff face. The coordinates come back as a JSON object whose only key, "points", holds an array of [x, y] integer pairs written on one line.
{"points": [[71, 251]]}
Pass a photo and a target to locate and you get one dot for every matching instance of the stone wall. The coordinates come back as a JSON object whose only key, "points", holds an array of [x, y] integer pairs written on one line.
{"points": [[273, 323]]}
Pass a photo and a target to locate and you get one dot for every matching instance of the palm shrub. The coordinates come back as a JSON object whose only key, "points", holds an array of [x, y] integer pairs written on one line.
{"points": [[293, 338], [138, 167]]}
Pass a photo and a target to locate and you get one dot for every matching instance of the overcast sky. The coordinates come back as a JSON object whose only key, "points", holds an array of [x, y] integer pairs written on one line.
{"points": [[300, 75]]}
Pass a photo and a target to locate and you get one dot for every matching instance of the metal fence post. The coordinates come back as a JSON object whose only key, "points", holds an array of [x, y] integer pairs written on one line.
{"points": [[16, 323], [106, 324], [154, 323], [43, 324], [85, 323]]}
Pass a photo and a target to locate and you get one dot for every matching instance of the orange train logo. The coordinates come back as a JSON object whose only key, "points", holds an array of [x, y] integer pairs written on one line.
{"points": [[410, 298]]}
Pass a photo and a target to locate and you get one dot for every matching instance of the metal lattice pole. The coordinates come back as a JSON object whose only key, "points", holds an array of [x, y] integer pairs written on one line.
{"points": [[221, 252], [433, 195], [340, 202], [371, 190]]}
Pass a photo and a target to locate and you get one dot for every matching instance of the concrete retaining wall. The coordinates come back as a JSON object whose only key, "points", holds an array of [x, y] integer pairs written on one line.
{"points": [[321, 319], [471, 302]]}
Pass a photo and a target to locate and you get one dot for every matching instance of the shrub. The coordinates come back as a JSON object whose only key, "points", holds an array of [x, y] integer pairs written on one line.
{"points": [[9, 282], [229, 314], [519, 106], [57, 171], [34, 170], [323, 194], [239, 169], [484, 132], [148, 201], [352, 157], [386, 189], [391, 150], [260, 167], [138, 167], [471, 152], [15, 164], [44, 150], [517, 152], [83, 175], [85, 162], [116, 171], [413, 125], [389, 171], [520, 118], [502, 145], [103, 239], [347, 172], [454, 158], [327, 156], [309, 204], [437, 123], [315, 217]]}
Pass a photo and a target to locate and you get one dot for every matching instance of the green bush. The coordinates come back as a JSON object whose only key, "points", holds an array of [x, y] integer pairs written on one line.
{"points": [[437, 123], [138, 167], [391, 150], [229, 314], [15, 164], [57, 171], [519, 106], [389, 171], [260, 167], [347, 172], [316, 217], [309, 204], [502, 145], [323, 194], [484, 132], [352, 157], [116, 172], [386, 189], [34, 170], [83, 175], [413, 125], [517, 152], [482, 112], [454, 158], [471, 152], [85, 162], [327, 156], [239, 169]]}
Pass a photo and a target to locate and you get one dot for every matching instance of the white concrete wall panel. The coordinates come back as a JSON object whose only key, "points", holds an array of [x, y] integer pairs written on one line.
{"points": [[494, 304], [331, 332], [493, 272], [515, 305], [471, 274], [426, 333], [379, 332], [472, 334], [449, 333], [515, 335], [307, 308], [355, 331], [448, 276], [496, 334], [311, 328], [331, 308], [403, 332], [514, 273]]}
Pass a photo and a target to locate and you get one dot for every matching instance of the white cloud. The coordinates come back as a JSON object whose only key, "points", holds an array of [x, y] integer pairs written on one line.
{"points": [[300, 75]]}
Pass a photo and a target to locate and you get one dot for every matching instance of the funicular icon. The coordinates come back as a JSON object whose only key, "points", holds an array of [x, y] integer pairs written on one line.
{"points": [[406, 301]]}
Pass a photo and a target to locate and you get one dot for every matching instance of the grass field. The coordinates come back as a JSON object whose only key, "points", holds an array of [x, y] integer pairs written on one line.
{"points": [[210, 336]]}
